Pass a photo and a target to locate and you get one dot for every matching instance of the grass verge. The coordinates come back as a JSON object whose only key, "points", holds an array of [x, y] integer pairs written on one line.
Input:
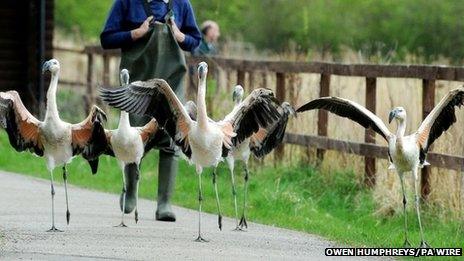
{"points": [[334, 205]]}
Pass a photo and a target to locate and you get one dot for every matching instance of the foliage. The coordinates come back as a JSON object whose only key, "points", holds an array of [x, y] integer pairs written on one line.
{"points": [[393, 28], [83, 16], [334, 205]]}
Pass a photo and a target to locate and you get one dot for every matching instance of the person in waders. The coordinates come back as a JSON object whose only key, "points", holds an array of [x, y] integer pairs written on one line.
{"points": [[151, 35]]}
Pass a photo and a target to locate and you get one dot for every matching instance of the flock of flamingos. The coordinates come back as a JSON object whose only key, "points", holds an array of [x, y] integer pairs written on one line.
{"points": [[256, 125]]}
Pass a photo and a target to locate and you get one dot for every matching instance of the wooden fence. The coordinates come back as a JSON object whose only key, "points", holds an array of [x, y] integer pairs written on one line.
{"points": [[368, 149]]}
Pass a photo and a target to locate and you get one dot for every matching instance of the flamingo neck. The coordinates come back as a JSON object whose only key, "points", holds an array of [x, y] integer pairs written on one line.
{"points": [[401, 129], [238, 101], [124, 122], [202, 116], [52, 107]]}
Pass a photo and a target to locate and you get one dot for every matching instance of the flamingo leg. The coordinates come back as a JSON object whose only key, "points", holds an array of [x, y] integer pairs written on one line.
{"points": [[136, 215], [65, 179], [53, 229], [217, 199], [200, 199], [243, 223], [136, 212], [123, 199], [406, 241], [230, 162], [423, 243]]}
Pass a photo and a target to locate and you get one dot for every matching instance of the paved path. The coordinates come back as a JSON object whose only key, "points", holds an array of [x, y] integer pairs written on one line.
{"points": [[25, 215]]}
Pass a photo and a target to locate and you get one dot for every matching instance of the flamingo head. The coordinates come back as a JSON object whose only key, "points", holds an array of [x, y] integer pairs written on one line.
{"points": [[237, 95], [52, 66], [398, 113], [124, 77], [202, 70]]}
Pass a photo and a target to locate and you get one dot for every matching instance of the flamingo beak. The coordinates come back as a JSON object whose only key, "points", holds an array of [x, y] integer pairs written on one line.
{"points": [[202, 69], [392, 115], [46, 66], [293, 112], [235, 95]]}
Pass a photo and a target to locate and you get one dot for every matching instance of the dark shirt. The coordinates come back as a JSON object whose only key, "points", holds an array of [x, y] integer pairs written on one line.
{"points": [[126, 15], [205, 48]]}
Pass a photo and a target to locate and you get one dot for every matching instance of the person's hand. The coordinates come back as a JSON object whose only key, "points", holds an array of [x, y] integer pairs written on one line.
{"points": [[180, 37], [142, 30]]}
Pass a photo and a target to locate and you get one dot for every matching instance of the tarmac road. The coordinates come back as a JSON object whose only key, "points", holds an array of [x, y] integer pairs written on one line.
{"points": [[25, 217]]}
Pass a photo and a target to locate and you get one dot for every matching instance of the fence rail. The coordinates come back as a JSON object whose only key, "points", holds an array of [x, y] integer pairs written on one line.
{"points": [[368, 149]]}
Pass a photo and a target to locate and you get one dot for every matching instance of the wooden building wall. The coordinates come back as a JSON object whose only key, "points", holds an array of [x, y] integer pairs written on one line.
{"points": [[20, 45]]}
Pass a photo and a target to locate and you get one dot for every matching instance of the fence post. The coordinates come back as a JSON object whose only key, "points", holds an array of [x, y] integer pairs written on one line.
{"points": [[192, 83], [90, 97], [280, 95], [217, 77], [264, 80], [369, 135], [322, 118], [241, 78], [428, 102], [228, 81], [251, 80], [106, 70]]}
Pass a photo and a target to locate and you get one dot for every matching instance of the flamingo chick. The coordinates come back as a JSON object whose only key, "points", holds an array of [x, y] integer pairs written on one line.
{"points": [[129, 144], [57, 141], [407, 153], [260, 144]]}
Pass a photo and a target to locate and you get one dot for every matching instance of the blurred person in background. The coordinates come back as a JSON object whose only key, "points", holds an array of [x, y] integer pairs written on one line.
{"points": [[210, 31], [152, 35]]}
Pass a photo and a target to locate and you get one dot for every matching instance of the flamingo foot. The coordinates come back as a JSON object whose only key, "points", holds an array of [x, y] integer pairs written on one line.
{"points": [[406, 243], [243, 223], [121, 225], [201, 239], [54, 229], [239, 229], [424, 244]]}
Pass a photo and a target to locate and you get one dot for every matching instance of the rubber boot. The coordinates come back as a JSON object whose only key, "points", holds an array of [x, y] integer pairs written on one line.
{"points": [[131, 172], [167, 172]]}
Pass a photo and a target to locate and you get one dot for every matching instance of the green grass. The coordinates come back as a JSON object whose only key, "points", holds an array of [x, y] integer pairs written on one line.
{"points": [[334, 205]]}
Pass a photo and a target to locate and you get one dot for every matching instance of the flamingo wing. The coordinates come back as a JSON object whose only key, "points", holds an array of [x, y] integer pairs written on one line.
{"points": [[351, 110], [89, 137], [439, 119], [154, 98], [265, 140], [22, 127], [257, 110]]}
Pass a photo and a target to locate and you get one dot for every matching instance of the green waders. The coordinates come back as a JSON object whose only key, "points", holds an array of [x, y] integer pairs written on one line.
{"points": [[158, 55]]}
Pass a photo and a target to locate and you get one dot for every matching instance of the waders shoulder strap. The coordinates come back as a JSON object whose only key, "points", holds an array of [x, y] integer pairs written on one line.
{"points": [[147, 8], [170, 13], [149, 12]]}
